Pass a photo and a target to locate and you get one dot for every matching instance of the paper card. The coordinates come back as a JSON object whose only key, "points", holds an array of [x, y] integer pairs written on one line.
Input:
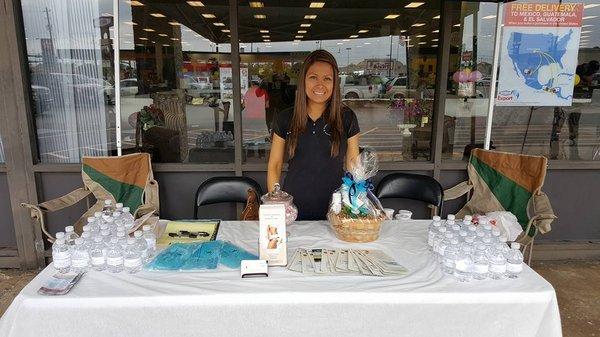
{"points": [[295, 263], [59, 284], [272, 236]]}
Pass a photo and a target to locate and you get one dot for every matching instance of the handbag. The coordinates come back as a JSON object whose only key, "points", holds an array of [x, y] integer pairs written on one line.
{"points": [[250, 212]]}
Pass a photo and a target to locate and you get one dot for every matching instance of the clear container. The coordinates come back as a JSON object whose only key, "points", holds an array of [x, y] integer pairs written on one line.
{"points": [[98, 254], [80, 257], [150, 238], [132, 257], [464, 264], [114, 256], [450, 254], [514, 261], [481, 264], [497, 262], [276, 197], [61, 255]]}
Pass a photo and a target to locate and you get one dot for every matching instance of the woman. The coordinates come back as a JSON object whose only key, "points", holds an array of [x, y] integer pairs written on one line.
{"points": [[319, 135]]}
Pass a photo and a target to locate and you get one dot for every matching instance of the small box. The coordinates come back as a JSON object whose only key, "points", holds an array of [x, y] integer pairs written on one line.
{"points": [[254, 268], [272, 241]]}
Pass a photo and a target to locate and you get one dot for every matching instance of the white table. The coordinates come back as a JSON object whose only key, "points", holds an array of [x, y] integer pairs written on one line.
{"points": [[220, 303]]}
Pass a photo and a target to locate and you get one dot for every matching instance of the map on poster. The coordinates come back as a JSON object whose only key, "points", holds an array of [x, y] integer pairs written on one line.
{"points": [[538, 56]]}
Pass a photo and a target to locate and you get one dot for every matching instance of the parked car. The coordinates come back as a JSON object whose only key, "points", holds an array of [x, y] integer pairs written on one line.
{"points": [[397, 87], [129, 87], [361, 86]]}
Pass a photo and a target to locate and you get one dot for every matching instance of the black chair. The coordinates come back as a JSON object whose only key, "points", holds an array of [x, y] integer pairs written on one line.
{"points": [[224, 189], [411, 186]]}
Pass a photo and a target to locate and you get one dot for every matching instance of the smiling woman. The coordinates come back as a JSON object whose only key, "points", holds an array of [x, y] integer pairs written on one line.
{"points": [[319, 135]]}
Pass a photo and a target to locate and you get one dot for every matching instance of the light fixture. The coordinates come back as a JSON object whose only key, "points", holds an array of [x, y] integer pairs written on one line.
{"points": [[422, 42], [163, 34], [421, 35], [225, 30], [266, 36], [591, 6], [435, 40], [418, 24], [148, 30], [256, 4], [174, 23], [414, 4], [436, 31], [209, 16], [195, 3], [305, 25], [299, 36], [134, 3], [353, 36], [316, 5], [310, 17], [264, 31], [219, 24], [434, 45], [267, 40], [363, 31], [487, 17], [157, 15], [260, 16], [456, 25], [589, 17], [437, 17], [301, 32], [131, 23], [174, 39], [586, 31], [144, 38], [391, 16], [166, 45], [403, 31], [297, 40]]}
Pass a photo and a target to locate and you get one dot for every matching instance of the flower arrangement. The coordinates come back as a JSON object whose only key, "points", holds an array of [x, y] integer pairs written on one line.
{"points": [[409, 111], [151, 116]]}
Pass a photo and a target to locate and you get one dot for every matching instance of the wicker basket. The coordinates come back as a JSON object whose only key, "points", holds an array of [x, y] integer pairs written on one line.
{"points": [[355, 230]]}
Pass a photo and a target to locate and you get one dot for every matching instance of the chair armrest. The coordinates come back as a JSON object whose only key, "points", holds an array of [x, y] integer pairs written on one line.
{"points": [[457, 191]]}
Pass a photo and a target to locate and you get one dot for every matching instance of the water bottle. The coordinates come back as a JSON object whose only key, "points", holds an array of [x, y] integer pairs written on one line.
{"points": [[497, 262], [443, 245], [514, 261], [119, 207], [464, 264], [487, 242], [105, 235], [122, 239], [80, 257], [70, 235], [433, 227], [142, 245], [61, 255], [450, 254], [451, 217], [462, 234], [481, 263], [87, 240], [114, 256], [60, 235], [132, 257], [150, 240], [472, 230], [108, 207], [98, 254], [469, 241], [439, 236], [495, 235], [455, 229], [466, 221], [127, 218]]}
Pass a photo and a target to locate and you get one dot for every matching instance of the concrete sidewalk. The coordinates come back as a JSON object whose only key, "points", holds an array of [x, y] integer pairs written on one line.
{"points": [[576, 284]]}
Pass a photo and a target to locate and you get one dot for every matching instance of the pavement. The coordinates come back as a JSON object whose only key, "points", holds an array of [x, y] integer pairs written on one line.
{"points": [[576, 284]]}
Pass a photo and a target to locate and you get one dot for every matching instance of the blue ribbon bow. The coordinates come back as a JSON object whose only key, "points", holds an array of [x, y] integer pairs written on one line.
{"points": [[356, 187]]}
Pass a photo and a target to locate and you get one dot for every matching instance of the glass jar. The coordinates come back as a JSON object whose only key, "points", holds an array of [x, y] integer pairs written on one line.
{"points": [[277, 196]]}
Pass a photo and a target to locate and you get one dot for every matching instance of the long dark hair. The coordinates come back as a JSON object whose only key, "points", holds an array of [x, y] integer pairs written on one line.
{"points": [[333, 110]]}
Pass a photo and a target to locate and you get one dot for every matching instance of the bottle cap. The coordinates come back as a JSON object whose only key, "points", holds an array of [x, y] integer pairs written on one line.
{"points": [[137, 233], [98, 214], [97, 239], [60, 241], [437, 218], [69, 229], [515, 245], [469, 239], [107, 202], [114, 240], [79, 241], [451, 217], [468, 218], [120, 234], [481, 247], [472, 228], [60, 235], [105, 232], [130, 241], [442, 229], [86, 235], [146, 228], [116, 214], [119, 205], [126, 209], [91, 219], [455, 227]]}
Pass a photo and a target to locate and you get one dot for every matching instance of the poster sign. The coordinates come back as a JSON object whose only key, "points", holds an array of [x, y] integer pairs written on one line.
{"points": [[226, 82], [538, 55]]}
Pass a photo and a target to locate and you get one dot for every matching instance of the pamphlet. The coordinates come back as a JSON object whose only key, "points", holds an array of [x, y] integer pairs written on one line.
{"points": [[59, 284], [189, 231], [272, 242]]}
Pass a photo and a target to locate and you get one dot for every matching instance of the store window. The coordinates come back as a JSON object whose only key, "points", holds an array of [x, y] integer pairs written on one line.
{"points": [[70, 60], [467, 102], [386, 55], [569, 132], [176, 81]]}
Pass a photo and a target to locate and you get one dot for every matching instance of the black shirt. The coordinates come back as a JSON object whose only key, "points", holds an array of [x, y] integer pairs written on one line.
{"points": [[313, 174]]}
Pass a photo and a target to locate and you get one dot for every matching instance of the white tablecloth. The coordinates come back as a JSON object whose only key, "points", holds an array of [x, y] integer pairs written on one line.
{"points": [[220, 303]]}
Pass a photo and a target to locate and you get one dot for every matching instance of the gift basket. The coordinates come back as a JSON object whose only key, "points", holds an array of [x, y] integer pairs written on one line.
{"points": [[355, 213]]}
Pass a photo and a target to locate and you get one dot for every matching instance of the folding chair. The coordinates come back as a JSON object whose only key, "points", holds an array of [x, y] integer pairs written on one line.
{"points": [[500, 181], [127, 179]]}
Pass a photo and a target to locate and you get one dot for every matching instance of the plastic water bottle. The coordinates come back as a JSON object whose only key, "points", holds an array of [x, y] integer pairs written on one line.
{"points": [[450, 254], [60, 235], [433, 227], [464, 264], [514, 261], [472, 230], [469, 241], [61, 255], [119, 207], [455, 229], [127, 218], [142, 244], [451, 217], [98, 254], [87, 240], [495, 235], [70, 235], [122, 239], [105, 235], [462, 234], [466, 221], [497, 262], [481, 264], [132, 257], [80, 257], [150, 240], [439, 236], [114, 256], [487, 242], [108, 207], [448, 237]]}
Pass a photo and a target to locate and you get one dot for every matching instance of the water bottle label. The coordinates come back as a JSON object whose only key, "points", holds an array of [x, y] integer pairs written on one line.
{"points": [[514, 267], [132, 263], [498, 268], [114, 261], [63, 262], [97, 260], [481, 268], [79, 263], [463, 266]]}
